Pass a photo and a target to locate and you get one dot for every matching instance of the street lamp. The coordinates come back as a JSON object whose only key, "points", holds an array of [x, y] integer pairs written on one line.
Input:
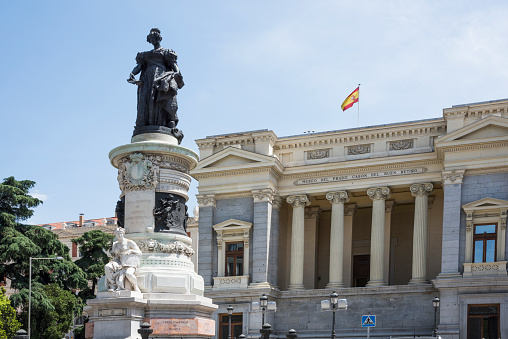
{"points": [[230, 313], [263, 303], [334, 304], [435, 303], [30, 289]]}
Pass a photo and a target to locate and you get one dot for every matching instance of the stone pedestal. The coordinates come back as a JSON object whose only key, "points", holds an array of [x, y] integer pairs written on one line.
{"points": [[154, 180]]}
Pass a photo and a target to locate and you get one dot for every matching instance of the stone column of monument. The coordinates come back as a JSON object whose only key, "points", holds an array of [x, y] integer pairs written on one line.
{"points": [[377, 258], [153, 175], [420, 232], [297, 240], [337, 200]]}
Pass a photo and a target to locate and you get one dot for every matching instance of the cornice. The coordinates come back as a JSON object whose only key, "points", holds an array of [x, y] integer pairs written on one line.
{"points": [[483, 171], [470, 146], [433, 128]]}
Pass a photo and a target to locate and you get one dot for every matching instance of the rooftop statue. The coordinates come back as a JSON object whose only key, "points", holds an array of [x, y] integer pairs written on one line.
{"points": [[158, 85]]}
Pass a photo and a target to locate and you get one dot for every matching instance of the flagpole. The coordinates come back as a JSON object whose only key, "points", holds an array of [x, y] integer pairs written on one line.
{"points": [[358, 122]]}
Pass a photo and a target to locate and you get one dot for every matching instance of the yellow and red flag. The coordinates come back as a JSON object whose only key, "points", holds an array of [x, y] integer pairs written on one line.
{"points": [[351, 99]]}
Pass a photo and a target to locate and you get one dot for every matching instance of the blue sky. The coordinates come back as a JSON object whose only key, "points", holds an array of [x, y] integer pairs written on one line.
{"points": [[281, 65]]}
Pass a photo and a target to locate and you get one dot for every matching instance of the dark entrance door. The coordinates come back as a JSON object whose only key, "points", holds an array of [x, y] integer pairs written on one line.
{"points": [[236, 325], [483, 322], [361, 270]]}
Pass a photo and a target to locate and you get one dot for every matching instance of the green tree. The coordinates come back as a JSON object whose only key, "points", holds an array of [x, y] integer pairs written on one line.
{"points": [[93, 246], [19, 242], [9, 324]]}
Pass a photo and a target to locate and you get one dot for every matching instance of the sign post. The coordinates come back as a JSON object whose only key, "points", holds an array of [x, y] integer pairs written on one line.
{"points": [[368, 321]]}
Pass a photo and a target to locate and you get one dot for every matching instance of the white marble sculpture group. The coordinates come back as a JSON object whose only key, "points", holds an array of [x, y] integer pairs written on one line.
{"points": [[121, 270]]}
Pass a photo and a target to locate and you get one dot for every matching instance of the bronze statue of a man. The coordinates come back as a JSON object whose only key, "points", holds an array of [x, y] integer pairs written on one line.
{"points": [[158, 85]]}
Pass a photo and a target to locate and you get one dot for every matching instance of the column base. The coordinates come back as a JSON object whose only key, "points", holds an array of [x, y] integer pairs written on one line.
{"points": [[375, 283], [333, 285], [418, 281], [449, 275], [296, 287]]}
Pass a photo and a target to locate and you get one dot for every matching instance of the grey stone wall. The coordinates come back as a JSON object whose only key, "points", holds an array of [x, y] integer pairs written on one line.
{"points": [[238, 208], [452, 207], [261, 241], [475, 188]]}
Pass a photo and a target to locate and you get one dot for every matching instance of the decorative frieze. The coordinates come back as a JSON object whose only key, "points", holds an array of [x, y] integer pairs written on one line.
{"points": [[298, 200], [337, 197], [157, 246], [359, 149], [378, 193], [206, 200], [452, 177], [401, 145], [318, 154], [137, 173]]}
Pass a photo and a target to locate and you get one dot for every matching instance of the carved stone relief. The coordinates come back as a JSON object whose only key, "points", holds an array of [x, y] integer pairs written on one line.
{"points": [[359, 149], [318, 154], [401, 144], [137, 173], [177, 247]]}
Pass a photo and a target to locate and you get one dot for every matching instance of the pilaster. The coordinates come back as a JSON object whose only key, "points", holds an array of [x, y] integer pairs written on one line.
{"points": [[207, 258], [452, 188], [347, 263], [310, 263], [337, 199], [389, 206]]}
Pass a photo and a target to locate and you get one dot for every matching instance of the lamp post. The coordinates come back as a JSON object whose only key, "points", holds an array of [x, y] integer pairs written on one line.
{"points": [[435, 303], [230, 313], [30, 289], [334, 303], [263, 303]]}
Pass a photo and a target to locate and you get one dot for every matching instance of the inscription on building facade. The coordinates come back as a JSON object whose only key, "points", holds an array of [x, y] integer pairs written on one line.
{"points": [[358, 176]]}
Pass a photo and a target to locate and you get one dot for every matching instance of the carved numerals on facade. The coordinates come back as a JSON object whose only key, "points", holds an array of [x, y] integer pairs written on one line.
{"points": [[337, 197], [137, 173], [298, 200], [378, 193], [318, 154], [421, 189], [359, 149], [401, 144]]}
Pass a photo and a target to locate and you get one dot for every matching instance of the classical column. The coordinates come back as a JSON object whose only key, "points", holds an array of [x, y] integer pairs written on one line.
{"points": [[452, 187], [297, 240], [469, 238], [421, 193], [377, 255], [349, 212], [389, 205], [337, 200], [310, 254], [501, 247], [207, 254]]}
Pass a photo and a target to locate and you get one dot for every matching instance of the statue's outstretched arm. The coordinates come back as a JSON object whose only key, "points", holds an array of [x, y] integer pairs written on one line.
{"points": [[134, 72]]}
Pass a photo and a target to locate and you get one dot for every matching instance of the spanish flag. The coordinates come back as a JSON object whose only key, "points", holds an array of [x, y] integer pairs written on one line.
{"points": [[351, 99]]}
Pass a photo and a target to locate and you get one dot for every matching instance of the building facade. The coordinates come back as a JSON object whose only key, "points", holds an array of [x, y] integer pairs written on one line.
{"points": [[389, 217]]}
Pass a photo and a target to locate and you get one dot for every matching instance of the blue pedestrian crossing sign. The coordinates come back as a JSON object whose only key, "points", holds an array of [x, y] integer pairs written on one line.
{"points": [[368, 321]]}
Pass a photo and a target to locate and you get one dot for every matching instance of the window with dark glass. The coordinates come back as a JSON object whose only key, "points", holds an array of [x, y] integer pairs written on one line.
{"points": [[234, 259], [483, 322], [236, 325], [484, 243]]}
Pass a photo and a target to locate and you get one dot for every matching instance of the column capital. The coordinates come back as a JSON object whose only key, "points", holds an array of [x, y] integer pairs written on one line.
{"points": [[350, 209], [277, 202], [337, 197], [420, 189], [312, 212], [262, 195], [452, 177], [378, 193], [389, 206], [300, 200], [206, 200]]}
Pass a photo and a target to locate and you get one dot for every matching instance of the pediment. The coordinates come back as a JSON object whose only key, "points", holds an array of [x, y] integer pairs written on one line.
{"points": [[486, 204], [233, 157], [232, 225], [486, 129]]}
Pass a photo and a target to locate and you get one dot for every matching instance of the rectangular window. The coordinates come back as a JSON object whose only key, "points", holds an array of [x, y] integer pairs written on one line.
{"points": [[484, 240], [236, 325], [234, 259], [483, 322]]}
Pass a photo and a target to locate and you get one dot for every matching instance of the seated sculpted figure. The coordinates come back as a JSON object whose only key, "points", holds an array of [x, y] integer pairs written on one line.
{"points": [[124, 264]]}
